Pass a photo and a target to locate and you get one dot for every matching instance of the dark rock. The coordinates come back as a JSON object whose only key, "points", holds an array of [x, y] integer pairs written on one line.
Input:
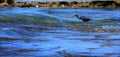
{"points": [[74, 2], [63, 2], [11, 1], [103, 3]]}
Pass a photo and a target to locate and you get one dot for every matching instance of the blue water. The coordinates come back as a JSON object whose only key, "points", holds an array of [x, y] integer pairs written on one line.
{"points": [[55, 32]]}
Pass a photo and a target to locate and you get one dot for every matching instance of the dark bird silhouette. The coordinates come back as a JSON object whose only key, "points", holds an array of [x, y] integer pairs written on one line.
{"points": [[83, 18]]}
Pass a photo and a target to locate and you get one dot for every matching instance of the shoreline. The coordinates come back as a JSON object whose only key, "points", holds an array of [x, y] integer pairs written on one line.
{"points": [[64, 4]]}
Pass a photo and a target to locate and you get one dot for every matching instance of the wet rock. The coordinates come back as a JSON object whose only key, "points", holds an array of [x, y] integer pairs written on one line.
{"points": [[3, 4], [7, 2], [118, 1], [64, 4]]}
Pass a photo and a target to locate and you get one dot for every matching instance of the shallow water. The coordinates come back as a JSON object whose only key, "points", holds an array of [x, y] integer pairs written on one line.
{"points": [[55, 32]]}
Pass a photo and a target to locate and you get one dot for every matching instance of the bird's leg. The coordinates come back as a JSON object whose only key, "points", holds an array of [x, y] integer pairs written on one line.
{"points": [[85, 23]]}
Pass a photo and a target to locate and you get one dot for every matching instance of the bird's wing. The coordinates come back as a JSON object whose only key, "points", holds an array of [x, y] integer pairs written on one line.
{"points": [[84, 17]]}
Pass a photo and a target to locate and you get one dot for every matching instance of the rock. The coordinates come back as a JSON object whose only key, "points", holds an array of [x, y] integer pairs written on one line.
{"points": [[63, 4], [7, 2], [117, 1]]}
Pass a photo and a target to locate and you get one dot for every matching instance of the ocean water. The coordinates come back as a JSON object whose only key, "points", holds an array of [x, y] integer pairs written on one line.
{"points": [[55, 32]]}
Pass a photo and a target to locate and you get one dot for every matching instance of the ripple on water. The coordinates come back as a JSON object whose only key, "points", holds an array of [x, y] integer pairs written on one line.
{"points": [[54, 32]]}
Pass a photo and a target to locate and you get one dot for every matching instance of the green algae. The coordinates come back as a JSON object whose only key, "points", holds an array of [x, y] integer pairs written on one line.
{"points": [[25, 19]]}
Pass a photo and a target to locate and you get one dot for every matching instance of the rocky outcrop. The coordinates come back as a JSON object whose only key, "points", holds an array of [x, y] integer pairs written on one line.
{"points": [[7, 2], [94, 4], [107, 4], [64, 4], [117, 1]]}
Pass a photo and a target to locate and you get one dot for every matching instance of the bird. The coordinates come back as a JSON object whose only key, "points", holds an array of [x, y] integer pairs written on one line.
{"points": [[83, 18], [36, 6]]}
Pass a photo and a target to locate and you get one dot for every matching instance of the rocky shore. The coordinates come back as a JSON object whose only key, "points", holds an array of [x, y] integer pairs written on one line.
{"points": [[64, 4]]}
